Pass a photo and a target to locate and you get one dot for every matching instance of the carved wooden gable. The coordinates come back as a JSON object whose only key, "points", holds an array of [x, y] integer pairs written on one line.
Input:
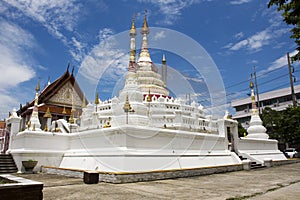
{"points": [[66, 95]]}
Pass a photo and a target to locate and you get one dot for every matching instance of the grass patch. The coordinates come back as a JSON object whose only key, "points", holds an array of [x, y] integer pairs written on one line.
{"points": [[5, 181]]}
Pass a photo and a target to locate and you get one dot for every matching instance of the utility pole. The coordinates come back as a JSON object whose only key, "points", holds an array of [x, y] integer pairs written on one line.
{"points": [[257, 94], [291, 82]]}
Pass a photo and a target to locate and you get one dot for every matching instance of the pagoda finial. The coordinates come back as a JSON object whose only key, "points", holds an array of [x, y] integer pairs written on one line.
{"points": [[127, 106], [49, 82], [254, 108], [163, 58], [38, 86], [149, 96], [64, 111], [71, 119], [251, 82], [164, 70], [144, 54], [97, 98], [83, 102], [133, 30], [132, 58], [48, 114], [145, 28]]}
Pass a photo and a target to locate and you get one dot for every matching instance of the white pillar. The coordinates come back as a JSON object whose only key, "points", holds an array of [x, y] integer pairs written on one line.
{"points": [[14, 122]]}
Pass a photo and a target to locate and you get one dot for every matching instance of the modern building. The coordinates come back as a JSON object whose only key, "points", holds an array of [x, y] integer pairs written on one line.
{"points": [[277, 100]]}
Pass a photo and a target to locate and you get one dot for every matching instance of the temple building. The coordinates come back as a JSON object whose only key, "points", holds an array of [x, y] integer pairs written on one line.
{"points": [[128, 138], [57, 98]]}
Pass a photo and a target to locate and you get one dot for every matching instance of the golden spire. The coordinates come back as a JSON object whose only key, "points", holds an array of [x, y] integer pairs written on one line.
{"points": [[254, 108], [144, 54], [145, 28], [251, 82], [97, 98], [38, 87], [149, 97], [64, 111], [132, 58], [48, 114], [127, 106], [71, 119], [132, 30], [83, 102]]}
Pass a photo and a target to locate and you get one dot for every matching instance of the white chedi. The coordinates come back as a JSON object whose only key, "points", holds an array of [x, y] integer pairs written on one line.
{"points": [[256, 129]]}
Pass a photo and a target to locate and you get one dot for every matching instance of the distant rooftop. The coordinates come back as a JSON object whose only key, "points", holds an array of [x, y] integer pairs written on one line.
{"points": [[266, 96]]}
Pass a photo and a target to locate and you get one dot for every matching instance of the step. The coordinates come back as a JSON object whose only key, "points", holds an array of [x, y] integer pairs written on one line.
{"points": [[8, 171], [242, 158], [255, 165], [7, 164]]}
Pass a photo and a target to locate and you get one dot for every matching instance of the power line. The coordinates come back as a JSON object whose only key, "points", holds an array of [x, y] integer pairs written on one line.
{"points": [[280, 86], [268, 81], [241, 82]]}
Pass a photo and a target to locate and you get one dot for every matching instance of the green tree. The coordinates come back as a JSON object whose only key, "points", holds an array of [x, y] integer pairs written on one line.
{"points": [[283, 126], [241, 130], [291, 15]]}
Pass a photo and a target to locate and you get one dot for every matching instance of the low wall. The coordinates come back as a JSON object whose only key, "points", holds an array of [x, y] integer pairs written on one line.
{"points": [[21, 189], [285, 162], [258, 150], [129, 177]]}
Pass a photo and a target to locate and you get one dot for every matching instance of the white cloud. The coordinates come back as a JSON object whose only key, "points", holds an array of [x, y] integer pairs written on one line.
{"points": [[254, 42], [258, 40], [159, 35], [106, 61], [78, 50], [239, 35], [238, 2], [278, 63], [171, 9], [56, 16], [15, 64]]}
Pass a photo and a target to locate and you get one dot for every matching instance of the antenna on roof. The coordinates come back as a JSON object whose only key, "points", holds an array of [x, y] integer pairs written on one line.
{"points": [[73, 69], [68, 66]]}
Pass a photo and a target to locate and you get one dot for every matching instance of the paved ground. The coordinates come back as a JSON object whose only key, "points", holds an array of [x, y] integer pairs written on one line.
{"points": [[281, 182]]}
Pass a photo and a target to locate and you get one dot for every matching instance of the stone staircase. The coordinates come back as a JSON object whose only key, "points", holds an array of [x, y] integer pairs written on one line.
{"points": [[7, 164], [255, 165]]}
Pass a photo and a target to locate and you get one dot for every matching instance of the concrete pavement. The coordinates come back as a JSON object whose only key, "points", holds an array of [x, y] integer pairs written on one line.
{"points": [[280, 182]]}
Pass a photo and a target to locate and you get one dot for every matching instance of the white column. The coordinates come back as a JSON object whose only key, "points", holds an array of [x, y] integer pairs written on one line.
{"points": [[14, 122]]}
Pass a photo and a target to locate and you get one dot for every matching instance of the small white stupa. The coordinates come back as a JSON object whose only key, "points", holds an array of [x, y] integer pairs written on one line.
{"points": [[34, 122], [256, 129]]}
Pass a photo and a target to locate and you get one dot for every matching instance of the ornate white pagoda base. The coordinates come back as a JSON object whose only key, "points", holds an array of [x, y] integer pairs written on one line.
{"points": [[259, 150], [124, 149]]}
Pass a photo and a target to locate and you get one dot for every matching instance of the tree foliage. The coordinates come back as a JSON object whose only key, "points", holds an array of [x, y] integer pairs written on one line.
{"points": [[283, 126], [241, 130], [291, 14]]}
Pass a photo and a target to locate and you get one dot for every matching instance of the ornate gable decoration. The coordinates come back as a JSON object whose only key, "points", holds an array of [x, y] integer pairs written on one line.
{"points": [[66, 95]]}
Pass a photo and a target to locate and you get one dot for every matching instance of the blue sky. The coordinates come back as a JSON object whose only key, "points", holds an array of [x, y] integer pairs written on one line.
{"points": [[39, 37]]}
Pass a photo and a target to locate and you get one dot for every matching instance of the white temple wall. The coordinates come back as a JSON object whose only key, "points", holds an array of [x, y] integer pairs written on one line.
{"points": [[45, 147], [138, 149]]}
